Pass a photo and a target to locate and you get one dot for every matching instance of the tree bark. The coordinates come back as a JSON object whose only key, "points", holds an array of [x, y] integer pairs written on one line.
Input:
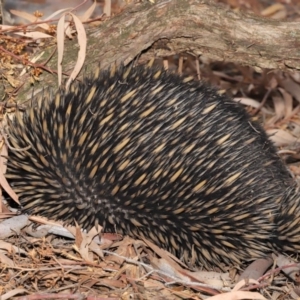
{"points": [[196, 27], [200, 28]]}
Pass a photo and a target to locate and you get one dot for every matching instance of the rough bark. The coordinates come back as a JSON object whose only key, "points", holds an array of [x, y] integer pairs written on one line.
{"points": [[197, 27], [200, 28]]}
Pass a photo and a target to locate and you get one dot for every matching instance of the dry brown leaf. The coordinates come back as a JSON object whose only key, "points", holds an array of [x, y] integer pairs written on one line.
{"points": [[293, 272], [252, 103], [84, 242], [279, 106], [256, 269], [6, 246], [88, 13], [58, 12], [215, 279], [295, 127], [7, 262], [90, 240], [164, 266], [291, 87], [60, 35], [29, 34], [288, 99], [87, 240], [280, 15], [13, 293], [78, 235], [82, 41], [6, 213], [34, 35], [154, 284], [280, 137], [236, 294], [11, 79], [295, 75], [3, 182], [11, 248], [12, 226], [32, 60], [30, 18], [107, 8], [272, 9], [172, 260], [243, 282]]}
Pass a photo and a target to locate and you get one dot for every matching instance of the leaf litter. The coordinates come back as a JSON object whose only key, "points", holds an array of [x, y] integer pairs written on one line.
{"points": [[42, 259]]}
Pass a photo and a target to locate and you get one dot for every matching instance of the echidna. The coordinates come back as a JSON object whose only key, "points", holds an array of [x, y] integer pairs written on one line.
{"points": [[154, 155]]}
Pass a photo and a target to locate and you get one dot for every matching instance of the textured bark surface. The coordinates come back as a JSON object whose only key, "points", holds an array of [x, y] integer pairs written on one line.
{"points": [[200, 27], [197, 27]]}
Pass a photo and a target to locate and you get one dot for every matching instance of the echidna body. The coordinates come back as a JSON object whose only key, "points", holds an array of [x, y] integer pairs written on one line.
{"points": [[150, 154]]}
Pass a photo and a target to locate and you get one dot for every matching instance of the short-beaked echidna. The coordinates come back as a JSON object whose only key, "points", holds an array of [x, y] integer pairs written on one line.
{"points": [[151, 154]]}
